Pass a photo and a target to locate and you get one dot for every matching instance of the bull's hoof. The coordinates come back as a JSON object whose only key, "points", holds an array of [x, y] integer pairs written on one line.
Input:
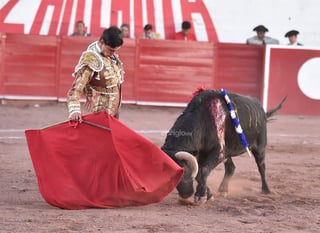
{"points": [[223, 194], [266, 191], [210, 197], [200, 200], [186, 201], [223, 188]]}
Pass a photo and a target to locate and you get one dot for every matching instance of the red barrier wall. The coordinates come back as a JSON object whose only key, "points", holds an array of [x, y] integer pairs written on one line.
{"points": [[128, 55], [239, 68], [29, 65], [161, 71], [169, 71], [156, 72]]}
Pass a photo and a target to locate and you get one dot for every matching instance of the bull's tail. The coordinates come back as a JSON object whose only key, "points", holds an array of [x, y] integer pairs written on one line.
{"points": [[274, 110]]}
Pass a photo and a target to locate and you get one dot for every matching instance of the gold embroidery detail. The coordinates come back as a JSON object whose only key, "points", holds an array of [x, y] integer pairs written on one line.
{"points": [[91, 59]]}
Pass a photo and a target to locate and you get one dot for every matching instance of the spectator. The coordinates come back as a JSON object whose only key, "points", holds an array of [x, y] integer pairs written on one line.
{"points": [[293, 37], [149, 33], [80, 29], [261, 38], [125, 30], [185, 33]]}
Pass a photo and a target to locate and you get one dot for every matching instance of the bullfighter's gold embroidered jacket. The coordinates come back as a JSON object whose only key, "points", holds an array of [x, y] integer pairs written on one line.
{"points": [[98, 78]]}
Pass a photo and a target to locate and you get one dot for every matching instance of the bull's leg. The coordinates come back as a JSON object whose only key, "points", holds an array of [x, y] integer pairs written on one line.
{"points": [[209, 162], [209, 194], [203, 192], [229, 169], [260, 160]]}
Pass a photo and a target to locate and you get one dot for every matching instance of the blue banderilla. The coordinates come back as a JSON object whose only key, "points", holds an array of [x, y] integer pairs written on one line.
{"points": [[236, 122]]}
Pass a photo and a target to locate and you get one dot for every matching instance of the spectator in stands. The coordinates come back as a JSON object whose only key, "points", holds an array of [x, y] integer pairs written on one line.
{"points": [[149, 33], [293, 37], [125, 30], [185, 33], [98, 76], [261, 38], [80, 29]]}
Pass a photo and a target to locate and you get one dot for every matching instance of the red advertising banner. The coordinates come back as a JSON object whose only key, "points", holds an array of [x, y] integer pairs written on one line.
{"points": [[48, 17]]}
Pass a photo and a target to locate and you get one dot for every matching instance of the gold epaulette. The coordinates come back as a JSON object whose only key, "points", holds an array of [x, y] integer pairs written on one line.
{"points": [[91, 59]]}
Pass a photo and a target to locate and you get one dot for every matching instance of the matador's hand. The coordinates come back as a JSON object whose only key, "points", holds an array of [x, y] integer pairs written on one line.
{"points": [[75, 116]]}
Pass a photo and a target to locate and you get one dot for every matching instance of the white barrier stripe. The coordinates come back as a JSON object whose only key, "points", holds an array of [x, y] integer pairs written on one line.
{"points": [[284, 135], [11, 130], [152, 131], [140, 130], [166, 131], [12, 137], [161, 132], [304, 142], [18, 97]]}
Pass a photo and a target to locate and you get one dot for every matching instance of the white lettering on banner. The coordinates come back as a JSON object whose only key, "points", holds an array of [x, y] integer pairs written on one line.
{"points": [[47, 21], [144, 12], [3, 2], [159, 17], [199, 30], [119, 18], [87, 15], [60, 18], [131, 19], [177, 14], [106, 7], [72, 17], [309, 78], [47, 17], [18, 14]]}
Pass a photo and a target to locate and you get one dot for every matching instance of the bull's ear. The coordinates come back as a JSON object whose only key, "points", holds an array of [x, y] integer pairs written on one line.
{"points": [[190, 160]]}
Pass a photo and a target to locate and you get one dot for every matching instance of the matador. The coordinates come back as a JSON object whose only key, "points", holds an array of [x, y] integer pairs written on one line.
{"points": [[98, 76]]}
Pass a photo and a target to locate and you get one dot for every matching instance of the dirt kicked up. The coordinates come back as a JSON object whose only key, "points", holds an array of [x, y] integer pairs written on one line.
{"points": [[293, 175]]}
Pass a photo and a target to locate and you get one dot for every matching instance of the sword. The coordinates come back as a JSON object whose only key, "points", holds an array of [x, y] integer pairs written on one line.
{"points": [[96, 125], [83, 121]]}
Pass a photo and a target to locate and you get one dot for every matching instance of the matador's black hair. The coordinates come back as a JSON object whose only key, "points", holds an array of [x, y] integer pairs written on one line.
{"points": [[112, 37]]}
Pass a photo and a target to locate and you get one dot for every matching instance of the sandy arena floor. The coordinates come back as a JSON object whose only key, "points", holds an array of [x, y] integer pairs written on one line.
{"points": [[293, 174]]}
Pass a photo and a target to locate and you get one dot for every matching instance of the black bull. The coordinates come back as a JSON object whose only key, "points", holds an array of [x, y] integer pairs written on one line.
{"points": [[204, 135]]}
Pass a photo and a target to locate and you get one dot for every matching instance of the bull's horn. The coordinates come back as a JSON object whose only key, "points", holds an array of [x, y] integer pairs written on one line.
{"points": [[190, 160]]}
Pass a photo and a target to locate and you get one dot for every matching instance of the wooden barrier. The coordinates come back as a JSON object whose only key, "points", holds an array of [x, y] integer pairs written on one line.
{"points": [[163, 72], [128, 55], [170, 71], [159, 72], [29, 65], [156, 71], [239, 68]]}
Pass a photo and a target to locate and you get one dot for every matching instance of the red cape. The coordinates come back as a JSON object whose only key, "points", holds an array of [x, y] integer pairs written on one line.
{"points": [[88, 166]]}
